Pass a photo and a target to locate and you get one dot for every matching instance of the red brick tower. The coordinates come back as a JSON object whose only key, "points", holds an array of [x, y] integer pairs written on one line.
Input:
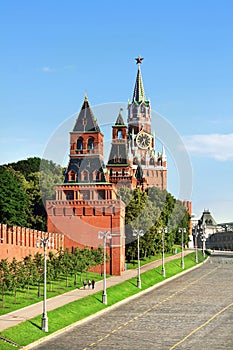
{"points": [[86, 202]]}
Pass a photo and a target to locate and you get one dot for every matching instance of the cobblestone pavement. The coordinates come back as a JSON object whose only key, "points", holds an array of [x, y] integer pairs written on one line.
{"points": [[194, 311]]}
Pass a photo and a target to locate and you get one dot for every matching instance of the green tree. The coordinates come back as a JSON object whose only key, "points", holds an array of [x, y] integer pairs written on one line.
{"points": [[18, 278], [27, 166], [150, 211], [39, 263], [51, 264], [51, 174], [66, 263], [5, 279], [37, 217], [24, 188], [76, 264], [30, 272], [13, 198]]}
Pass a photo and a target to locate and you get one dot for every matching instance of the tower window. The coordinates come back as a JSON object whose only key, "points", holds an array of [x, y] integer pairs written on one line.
{"points": [[96, 175], [69, 195], [80, 144], [72, 176], [85, 176], [90, 144], [152, 161], [85, 195], [101, 195], [119, 134], [143, 161]]}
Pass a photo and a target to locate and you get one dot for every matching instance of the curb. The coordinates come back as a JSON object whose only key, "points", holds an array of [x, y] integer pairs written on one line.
{"points": [[112, 307]]}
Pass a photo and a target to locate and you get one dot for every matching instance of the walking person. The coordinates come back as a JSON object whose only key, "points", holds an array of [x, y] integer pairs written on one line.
{"points": [[89, 284], [84, 284], [93, 284]]}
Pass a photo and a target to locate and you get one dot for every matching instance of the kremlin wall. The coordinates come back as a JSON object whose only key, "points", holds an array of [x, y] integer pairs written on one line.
{"points": [[18, 242]]}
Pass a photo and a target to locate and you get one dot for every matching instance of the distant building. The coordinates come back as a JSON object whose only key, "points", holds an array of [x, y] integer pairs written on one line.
{"points": [[214, 236]]}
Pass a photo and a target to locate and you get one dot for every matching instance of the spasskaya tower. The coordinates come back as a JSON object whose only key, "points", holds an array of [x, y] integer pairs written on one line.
{"points": [[135, 161]]}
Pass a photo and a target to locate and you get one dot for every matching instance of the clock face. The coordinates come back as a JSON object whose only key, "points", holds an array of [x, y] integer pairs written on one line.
{"points": [[143, 140]]}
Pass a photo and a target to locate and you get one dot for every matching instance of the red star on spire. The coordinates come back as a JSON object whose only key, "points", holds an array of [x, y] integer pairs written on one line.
{"points": [[139, 60]]}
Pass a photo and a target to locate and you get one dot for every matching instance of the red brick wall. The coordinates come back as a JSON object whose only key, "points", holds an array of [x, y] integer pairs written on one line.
{"points": [[82, 228], [19, 242]]}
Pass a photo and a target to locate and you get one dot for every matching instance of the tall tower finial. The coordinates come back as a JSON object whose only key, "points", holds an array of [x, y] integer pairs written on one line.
{"points": [[139, 59], [139, 93], [85, 96]]}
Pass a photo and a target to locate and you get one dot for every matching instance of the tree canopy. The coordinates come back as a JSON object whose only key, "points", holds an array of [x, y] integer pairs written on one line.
{"points": [[150, 211], [24, 187]]}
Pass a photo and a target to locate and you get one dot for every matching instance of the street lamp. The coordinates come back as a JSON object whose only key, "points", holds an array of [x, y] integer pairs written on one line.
{"points": [[203, 239], [45, 242], [182, 230], [104, 235], [138, 234], [195, 243], [163, 230]]}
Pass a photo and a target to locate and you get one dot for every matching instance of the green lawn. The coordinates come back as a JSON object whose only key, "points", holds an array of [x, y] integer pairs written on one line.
{"points": [[29, 331], [23, 299]]}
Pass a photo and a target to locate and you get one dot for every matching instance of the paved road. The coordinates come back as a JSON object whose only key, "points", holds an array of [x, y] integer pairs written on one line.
{"points": [[195, 311]]}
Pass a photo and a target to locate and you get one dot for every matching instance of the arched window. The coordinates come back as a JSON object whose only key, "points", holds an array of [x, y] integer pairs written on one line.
{"points": [[143, 161], [152, 162], [119, 134], [110, 172], [80, 144], [90, 143], [135, 161], [123, 172], [96, 175], [72, 176]]}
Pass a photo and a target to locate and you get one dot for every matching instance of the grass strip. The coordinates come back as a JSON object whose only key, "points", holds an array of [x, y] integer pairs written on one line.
{"points": [[58, 288], [30, 331]]}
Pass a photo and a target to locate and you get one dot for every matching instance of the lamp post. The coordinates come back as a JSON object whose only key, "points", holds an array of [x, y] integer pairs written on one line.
{"points": [[163, 230], [182, 230], [138, 234], [104, 235], [195, 240], [203, 239], [45, 242]]}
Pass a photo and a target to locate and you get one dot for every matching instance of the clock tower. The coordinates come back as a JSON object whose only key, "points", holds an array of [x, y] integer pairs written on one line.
{"points": [[142, 150]]}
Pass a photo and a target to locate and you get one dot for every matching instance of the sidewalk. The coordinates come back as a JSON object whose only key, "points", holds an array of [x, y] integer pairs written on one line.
{"points": [[21, 315]]}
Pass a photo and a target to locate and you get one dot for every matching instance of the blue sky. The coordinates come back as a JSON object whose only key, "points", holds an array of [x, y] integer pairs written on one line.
{"points": [[52, 52]]}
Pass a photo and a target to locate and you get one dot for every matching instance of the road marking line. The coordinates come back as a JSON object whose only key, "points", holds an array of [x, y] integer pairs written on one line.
{"points": [[201, 326]]}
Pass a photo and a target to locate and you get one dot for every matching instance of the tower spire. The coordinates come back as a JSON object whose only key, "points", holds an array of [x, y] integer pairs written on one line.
{"points": [[139, 93]]}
